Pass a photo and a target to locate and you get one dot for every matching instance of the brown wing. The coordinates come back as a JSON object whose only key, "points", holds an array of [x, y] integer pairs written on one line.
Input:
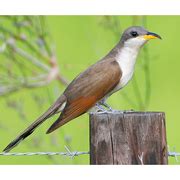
{"points": [[87, 89]]}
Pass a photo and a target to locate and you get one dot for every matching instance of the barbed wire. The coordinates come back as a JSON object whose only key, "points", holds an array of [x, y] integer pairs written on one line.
{"points": [[44, 153], [70, 154], [173, 153], [67, 153]]}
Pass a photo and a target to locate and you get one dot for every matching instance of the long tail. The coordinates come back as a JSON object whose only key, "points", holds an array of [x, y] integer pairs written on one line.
{"points": [[29, 130]]}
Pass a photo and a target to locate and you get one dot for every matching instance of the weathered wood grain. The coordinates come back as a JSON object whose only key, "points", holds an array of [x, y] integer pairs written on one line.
{"points": [[128, 138]]}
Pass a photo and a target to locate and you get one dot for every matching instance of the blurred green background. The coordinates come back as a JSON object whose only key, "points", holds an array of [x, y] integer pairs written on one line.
{"points": [[81, 41]]}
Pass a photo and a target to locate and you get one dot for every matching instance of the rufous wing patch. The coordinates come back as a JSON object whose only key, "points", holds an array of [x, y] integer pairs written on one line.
{"points": [[73, 110], [87, 89]]}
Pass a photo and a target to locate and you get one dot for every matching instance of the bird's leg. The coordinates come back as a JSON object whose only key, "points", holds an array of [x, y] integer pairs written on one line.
{"points": [[106, 105], [109, 108], [100, 108], [103, 103]]}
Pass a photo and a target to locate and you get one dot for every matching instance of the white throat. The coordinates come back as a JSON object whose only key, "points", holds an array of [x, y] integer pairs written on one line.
{"points": [[126, 59]]}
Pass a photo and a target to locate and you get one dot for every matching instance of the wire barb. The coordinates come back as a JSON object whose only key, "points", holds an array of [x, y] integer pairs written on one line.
{"points": [[173, 154], [72, 154], [67, 153]]}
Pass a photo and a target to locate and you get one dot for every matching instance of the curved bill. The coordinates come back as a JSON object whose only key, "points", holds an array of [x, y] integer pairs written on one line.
{"points": [[151, 35]]}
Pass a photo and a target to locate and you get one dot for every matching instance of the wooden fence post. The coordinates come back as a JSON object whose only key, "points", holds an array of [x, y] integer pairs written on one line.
{"points": [[128, 138]]}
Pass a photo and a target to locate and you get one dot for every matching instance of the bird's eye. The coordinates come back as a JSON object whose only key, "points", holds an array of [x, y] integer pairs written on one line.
{"points": [[134, 33]]}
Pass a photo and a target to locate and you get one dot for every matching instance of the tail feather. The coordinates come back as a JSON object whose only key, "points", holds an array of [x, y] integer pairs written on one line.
{"points": [[51, 111]]}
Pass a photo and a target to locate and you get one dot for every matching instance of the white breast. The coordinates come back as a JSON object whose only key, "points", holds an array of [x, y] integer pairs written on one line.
{"points": [[126, 59]]}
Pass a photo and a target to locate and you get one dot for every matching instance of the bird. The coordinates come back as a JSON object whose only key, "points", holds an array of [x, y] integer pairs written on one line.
{"points": [[93, 86]]}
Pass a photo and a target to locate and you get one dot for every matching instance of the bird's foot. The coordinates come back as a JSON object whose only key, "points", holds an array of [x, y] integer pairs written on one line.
{"points": [[100, 109], [109, 108], [103, 103], [115, 111]]}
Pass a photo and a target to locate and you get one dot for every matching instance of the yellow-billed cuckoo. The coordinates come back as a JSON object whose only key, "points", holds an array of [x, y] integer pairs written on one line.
{"points": [[96, 83]]}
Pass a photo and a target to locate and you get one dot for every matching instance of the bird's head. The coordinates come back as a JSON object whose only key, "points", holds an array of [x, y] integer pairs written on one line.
{"points": [[137, 36]]}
